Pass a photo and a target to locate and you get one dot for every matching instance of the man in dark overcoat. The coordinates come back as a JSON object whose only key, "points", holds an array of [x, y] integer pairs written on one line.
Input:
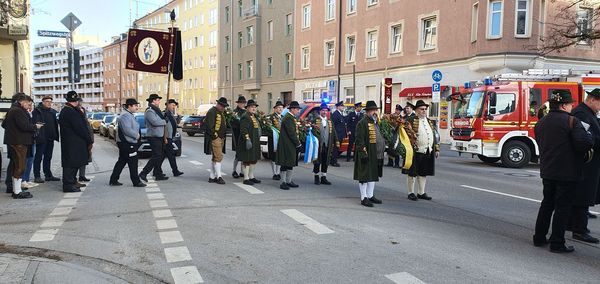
{"points": [[248, 150], [327, 141], [239, 110], [351, 120], [214, 139], [287, 148], [341, 130]]}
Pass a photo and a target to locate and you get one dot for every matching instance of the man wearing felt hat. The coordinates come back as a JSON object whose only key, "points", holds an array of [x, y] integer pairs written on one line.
{"points": [[214, 139], [409, 111], [368, 160], [587, 189], [427, 150], [239, 110], [128, 137], [275, 119], [249, 151], [327, 141], [397, 116], [287, 147], [351, 121], [562, 141], [155, 133], [341, 130], [171, 132]]}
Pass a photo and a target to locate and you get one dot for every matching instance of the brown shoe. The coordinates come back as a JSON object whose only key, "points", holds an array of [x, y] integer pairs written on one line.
{"points": [[79, 185]]}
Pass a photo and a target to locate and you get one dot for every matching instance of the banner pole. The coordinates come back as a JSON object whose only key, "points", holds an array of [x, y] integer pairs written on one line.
{"points": [[172, 32]]}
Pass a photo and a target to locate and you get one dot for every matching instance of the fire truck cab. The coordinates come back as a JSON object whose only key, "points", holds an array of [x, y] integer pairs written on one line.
{"points": [[496, 121]]}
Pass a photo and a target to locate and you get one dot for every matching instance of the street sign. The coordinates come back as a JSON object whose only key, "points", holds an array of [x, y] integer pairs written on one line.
{"points": [[436, 87], [53, 33], [71, 22], [436, 91], [436, 75], [18, 30]]}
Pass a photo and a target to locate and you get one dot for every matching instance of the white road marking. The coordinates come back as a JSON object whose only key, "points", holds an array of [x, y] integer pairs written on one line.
{"points": [[53, 222], [158, 203], [151, 185], [248, 188], [184, 156], [531, 171], [308, 222], [166, 224], [196, 163], [67, 202], [61, 211], [186, 275], [404, 278], [155, 196], [43, 235], [177, 254], [170, 237], [73, 195], [163, 213], [152, 189]]}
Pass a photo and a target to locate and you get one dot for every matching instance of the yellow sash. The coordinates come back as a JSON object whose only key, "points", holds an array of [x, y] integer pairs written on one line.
{"points": [[408, 157]]}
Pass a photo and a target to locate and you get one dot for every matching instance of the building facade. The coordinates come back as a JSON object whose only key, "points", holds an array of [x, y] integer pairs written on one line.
{"points": [[358, 43], [119, 83], [198, 22], [50, 72], [15, 69], [256, 51]]}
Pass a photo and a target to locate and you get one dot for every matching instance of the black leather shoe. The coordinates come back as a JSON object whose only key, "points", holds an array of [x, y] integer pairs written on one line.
{"points": [[22, 195], [585, 238], [412, 197], [235, 174], [284, 186], [325, 181], [276, 177], [72, 189], [143, 177], [52, 178], [366, 202], [39, 180], [84, 179], [540, 242], [176, 174], [317, 180], [591, 216], [254, 180], [163, 177], [80, 185], [423, 196], [115, 183], [563, 249], [375, 200], [220, 180], [212, 180], [141, 184], [292, 184], [248, 182]]}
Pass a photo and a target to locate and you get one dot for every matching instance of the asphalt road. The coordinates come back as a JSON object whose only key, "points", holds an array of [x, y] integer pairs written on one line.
{"points": [[477, 228]]}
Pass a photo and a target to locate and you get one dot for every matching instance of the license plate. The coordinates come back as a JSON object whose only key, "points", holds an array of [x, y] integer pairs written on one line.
{"points": [[459, 144]]}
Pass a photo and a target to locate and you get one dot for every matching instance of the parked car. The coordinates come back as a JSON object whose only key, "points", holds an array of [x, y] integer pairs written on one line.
{"points": [[144, 150], [103, 130], [112, 130], [96, 119], [193, 124]]}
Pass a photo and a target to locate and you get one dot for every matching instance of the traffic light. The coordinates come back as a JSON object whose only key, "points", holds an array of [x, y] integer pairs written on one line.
{"points": [[73, 61]]}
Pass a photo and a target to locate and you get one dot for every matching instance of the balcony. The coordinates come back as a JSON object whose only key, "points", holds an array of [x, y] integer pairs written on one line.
{"points": [[250, 12]]}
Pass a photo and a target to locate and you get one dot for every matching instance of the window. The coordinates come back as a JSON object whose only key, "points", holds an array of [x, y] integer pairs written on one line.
{"points": [[212, 61], [270, 66], [503, 104], [584, 24], [249, 69], [329, 53], [495, 20], [330, 8], [396, 39], [372, 44], [350, 48], [213, 39], [240, 8], [429, 33], [306, 16], [227, 14], [288, 63], [522, 18], [305, 64], [250, 35], [372, 2], [201, 40], [240, 71], [288, 24], [226, 44], [351, 7], [535, 101], [270, 30], [240, 39], [212, 17], [474, 22]]}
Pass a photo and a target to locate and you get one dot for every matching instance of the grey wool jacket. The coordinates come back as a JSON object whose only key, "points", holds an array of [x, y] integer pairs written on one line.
{"points": [[129, 127], [155, 125]]}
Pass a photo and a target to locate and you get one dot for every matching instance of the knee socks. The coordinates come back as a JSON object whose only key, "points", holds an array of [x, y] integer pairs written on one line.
{"points": [[421, 181], [370, 189], [363, 190], [410, 184]]}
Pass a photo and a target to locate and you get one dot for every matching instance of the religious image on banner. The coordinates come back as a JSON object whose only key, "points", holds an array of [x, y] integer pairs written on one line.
{"points": [[148, 51]]}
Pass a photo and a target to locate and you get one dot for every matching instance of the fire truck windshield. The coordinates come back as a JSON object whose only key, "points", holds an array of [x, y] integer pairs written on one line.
{"points": [[469, 105]]}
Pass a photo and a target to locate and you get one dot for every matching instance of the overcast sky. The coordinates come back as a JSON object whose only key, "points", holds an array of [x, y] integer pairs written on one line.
{"points": [[100, 18]]}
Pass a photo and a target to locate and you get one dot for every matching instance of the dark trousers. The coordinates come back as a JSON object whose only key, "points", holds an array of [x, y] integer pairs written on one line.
{"points": [[335, 154], [169, 154], [125, 150], [155, 162], [43, 152], [558, 198], [350, 146], [321, 163], [69, 177], [579, 219]]}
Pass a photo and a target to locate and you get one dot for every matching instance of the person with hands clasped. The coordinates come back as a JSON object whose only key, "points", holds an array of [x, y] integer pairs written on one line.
{"points": [[287, 147], [249, 142]]}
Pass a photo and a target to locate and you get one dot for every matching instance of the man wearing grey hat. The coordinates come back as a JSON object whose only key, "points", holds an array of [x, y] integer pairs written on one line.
{"points": [[128, 137]]}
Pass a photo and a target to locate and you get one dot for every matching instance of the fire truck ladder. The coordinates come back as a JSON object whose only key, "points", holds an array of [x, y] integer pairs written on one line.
{"points": [[552, 75]]}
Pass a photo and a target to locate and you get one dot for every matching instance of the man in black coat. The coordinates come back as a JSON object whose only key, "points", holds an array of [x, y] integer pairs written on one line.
{"points": [[341, 130], [44, 141], [562, 140], [235, 129], [588, 187], [351, 120], [75, 138]]}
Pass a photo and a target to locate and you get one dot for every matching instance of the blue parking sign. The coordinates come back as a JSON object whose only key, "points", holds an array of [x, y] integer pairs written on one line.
{"points": [[436, 75], [436, 87]]}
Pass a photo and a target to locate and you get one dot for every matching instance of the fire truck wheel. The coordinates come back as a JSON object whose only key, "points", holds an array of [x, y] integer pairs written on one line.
{"points": [[488, 160], [515, 154]]}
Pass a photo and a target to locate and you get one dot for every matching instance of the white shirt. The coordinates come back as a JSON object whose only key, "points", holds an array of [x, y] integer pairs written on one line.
{"points": [[324, 122], [425, 137]]}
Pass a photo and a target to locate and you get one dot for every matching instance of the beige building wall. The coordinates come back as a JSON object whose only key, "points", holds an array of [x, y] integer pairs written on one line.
{"points": [[15, 78]]}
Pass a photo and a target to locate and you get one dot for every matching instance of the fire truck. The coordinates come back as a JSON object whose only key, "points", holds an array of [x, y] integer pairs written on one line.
{"points": [[495, 121]]}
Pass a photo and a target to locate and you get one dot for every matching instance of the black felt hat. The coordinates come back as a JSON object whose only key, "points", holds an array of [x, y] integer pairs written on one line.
{"points": [[294, 104], [594, 92], [421, 103], [340, 103], [130, 102], [223, 101], [72, 96], [371, 105], [278, 103], [561, 97], [153, 97], [172, 101], [250, 103], [241, 99]]}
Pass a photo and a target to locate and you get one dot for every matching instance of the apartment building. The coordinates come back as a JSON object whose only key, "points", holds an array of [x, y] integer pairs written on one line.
{"points": [[198, 22], [119, 83], [15, 69], [256, 50], [50, 72]]}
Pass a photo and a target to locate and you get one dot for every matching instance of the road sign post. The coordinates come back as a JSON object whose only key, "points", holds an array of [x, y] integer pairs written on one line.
{"points": [[71, 22]]}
